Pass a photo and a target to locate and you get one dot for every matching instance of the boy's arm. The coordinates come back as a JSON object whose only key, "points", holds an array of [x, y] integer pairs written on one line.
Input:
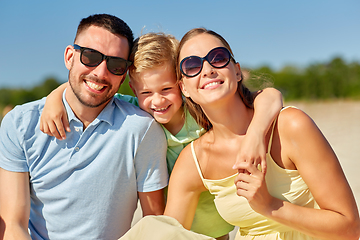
{"points": [[267, 106], [14, 205], [54, 119]]}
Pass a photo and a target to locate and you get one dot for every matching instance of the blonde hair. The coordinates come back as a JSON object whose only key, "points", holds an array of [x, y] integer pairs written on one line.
{"points": [[195, 109], [153, 50]]}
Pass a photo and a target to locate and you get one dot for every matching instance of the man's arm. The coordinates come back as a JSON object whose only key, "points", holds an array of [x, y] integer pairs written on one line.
{"points": [[14, 205], [152, 203]]}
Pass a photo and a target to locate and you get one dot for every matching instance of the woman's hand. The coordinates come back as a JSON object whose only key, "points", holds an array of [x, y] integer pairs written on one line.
{"points": [[251, 184]]}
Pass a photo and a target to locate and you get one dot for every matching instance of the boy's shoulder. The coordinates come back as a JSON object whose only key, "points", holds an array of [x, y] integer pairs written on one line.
{"points": [[127, 98]]}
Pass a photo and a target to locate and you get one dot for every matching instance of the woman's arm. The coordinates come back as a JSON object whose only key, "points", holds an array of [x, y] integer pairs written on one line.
{"points": [[53, 120], [184, 190], [267, 106], [301, 145]]}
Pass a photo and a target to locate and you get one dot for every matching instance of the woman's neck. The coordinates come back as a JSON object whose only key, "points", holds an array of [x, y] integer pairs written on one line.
{"points": [[229, 118]]}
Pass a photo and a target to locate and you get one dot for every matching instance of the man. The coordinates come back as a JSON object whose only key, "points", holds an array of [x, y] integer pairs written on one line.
{"points": [[86, 186]]}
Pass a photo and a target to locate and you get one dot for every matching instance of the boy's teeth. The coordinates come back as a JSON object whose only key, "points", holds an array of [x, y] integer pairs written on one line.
{"points": [[94, 86], [161, 109]]}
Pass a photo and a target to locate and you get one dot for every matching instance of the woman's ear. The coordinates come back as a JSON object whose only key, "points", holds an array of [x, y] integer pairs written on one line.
{"points": [[238, 72], [183, 89], [69, 56]]}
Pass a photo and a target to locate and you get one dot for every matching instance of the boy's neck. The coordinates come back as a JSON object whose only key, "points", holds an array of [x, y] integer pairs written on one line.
{"points": [[176, 123]]}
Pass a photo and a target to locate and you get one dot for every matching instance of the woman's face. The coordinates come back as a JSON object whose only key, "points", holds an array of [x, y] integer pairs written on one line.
{"points": [[212, 84]]}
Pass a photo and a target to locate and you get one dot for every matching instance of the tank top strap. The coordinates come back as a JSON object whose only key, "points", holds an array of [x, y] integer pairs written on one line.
{"points": [[196, 160], [271, 136]]}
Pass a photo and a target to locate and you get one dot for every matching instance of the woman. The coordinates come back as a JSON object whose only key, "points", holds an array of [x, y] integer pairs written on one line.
{"points": [[303, 193]]}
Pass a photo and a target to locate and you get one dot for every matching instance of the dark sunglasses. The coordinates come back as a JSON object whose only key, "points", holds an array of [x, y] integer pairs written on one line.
{"points": [[217, 57], [92, 58]]}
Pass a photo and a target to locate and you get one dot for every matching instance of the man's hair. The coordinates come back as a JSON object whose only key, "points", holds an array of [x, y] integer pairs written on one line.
{"points": [[111, 23], [153, 50]]}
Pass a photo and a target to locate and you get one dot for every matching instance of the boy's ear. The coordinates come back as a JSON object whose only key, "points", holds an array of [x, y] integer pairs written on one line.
{"points": [[69, 56], [183, 89], [132, 88]]}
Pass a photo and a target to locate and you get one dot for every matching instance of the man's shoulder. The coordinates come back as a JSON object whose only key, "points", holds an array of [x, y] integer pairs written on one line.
{"points": [[26, 113], [130, 109]]}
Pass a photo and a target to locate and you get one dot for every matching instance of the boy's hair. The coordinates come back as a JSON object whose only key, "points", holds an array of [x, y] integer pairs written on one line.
{"points": [[111, 23], [153, 50]]}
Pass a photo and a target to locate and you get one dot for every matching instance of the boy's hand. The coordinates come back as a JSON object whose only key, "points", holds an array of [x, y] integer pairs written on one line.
{"points": [[54, 123], [252, 150]]}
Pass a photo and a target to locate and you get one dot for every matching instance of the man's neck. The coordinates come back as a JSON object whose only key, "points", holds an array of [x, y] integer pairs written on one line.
{"points": [[84, 113]]}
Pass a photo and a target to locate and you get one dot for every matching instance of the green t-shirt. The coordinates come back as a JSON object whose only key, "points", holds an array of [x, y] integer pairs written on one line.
{"points": [[188, 133]]}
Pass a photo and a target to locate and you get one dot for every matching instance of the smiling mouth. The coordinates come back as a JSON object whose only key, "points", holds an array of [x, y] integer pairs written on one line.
{"points": [[212, 84], [161, 109], [94, 86]]}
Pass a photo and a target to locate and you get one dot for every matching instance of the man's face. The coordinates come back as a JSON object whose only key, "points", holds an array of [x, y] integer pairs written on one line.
{"points": [[94, 86]]}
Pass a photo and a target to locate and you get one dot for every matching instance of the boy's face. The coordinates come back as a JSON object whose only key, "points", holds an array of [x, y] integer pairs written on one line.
{"points": [[159, 94]]}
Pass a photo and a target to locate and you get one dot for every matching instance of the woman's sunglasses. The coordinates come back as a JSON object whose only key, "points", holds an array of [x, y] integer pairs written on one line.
{"points": [[218, 58], [92, 58]]}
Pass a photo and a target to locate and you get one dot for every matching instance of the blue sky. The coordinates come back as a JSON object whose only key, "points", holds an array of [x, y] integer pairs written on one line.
{"points": [[35, 33]]}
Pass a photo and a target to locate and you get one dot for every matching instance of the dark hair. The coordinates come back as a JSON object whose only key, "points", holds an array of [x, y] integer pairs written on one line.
{"points": [[111, 23], [195, 109]]}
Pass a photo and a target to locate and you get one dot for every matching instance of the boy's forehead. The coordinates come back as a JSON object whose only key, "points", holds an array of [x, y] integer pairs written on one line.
{"points": [[153, 78]]}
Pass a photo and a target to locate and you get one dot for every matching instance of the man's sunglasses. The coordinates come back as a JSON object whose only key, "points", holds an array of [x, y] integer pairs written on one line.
{"points": [[217, 57], [92, 58]]}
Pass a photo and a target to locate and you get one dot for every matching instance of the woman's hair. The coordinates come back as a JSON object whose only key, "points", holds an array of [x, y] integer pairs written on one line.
{"points": [[195, 109], [153, 50], [109, 22]]}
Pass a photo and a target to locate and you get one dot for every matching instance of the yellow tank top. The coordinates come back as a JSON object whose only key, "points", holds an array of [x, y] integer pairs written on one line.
{"points": [[282, 183]]}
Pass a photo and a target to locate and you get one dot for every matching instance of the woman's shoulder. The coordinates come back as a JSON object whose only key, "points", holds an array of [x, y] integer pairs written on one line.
{"points": [[185, 166], [295, 125], [294, 119]]}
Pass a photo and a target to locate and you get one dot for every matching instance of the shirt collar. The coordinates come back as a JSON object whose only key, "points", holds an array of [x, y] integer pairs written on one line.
{"points": [[106, 115]]}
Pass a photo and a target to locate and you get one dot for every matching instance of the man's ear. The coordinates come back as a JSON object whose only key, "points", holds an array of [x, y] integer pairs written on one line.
{"points": [[132, 88], [69, 56], [123, 79], [183, 89]]}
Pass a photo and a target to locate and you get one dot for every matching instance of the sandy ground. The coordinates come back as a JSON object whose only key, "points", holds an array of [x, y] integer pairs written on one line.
{"points": [[339, 121]]}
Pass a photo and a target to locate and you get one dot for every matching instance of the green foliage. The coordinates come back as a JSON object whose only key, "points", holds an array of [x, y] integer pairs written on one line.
{"points": [[12, 97], [331, 80], [335, 79], [125, 88]]}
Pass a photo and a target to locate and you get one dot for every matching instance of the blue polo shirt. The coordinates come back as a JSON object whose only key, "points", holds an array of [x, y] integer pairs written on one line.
{"points": [[85, 187]]}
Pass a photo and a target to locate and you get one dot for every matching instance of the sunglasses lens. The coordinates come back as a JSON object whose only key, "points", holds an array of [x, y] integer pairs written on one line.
{"points": [[191, 66], [90, 57], [117, 66], [219, 57]]}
